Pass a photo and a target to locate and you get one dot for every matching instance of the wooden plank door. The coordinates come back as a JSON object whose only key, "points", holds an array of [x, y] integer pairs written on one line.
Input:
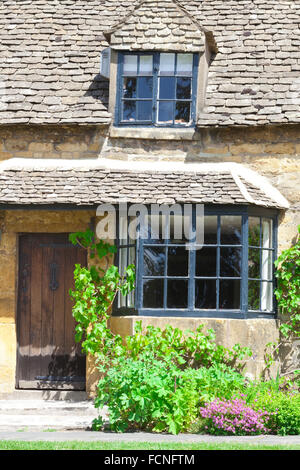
{"points": [[48, 356]]}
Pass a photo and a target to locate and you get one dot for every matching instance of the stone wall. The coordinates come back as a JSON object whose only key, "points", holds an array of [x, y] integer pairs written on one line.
{"points": [[273, 152], [67, 142]]}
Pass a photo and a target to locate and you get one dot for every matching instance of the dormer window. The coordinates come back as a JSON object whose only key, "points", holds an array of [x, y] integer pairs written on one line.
{"points": [[156, 89]]}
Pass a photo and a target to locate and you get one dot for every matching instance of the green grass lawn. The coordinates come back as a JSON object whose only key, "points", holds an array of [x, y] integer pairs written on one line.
{"points": [[77, 445]]}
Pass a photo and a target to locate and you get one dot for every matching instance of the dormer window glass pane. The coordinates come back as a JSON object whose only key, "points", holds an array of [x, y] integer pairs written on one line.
{"points": [[166, 88], [130, 65], [145, 87], [185, 64], [129, 88], [146, 65], [167, 64], [144, 110], [165, 112], [182, 113], [184, 89], [129, 111]]}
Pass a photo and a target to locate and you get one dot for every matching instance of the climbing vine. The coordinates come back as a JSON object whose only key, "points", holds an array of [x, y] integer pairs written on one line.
{"points": [[288, 296], [94, 293]]}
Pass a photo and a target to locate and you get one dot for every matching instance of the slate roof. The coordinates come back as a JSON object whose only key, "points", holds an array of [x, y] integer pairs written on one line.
{"points": [[52, 182], [49, 67]]}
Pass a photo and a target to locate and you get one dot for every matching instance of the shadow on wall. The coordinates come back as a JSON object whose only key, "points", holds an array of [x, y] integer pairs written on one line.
{"points": [[99, 89]]}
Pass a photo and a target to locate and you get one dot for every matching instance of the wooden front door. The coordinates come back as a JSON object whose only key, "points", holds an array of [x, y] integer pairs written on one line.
{"points": [[48, 356]]}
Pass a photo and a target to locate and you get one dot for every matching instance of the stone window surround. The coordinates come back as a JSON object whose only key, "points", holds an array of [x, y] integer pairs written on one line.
{"points": [[166, 133]]}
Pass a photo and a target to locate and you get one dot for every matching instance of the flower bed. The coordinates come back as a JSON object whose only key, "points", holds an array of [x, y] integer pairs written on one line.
{"points": [[234, 417]]}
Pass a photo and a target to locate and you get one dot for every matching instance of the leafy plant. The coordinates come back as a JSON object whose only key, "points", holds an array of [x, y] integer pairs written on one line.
{"points": [[288, 298], [283, 409], [288, 288], [147, 394], [94, 293], [185, 348], [219, 381]]}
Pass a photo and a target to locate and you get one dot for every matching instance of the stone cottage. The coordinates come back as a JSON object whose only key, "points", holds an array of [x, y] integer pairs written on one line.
{"points": [[191, 107]]}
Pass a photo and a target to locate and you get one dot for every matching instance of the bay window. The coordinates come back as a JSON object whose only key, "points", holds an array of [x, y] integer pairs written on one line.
{"points": [[229, 275]]}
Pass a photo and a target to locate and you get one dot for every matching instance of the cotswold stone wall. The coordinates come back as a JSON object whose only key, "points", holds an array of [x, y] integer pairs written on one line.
{"points": [[274, 152], [67, 142]]}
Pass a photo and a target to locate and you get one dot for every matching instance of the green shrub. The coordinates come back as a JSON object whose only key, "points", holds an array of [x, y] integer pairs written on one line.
{"points": [[218, 381], [184, 348], [285, 407], [155, 395], [147, 394]]}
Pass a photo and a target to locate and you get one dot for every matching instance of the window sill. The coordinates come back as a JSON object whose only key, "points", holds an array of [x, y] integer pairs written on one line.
{"points": [[229, 314], [155, 133]]}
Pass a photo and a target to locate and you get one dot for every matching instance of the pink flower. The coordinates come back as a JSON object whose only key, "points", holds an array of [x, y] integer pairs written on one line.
{"points": [[233, 417]]}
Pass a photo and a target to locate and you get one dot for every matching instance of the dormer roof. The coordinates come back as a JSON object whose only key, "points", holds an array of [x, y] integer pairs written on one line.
{"points": [[159, 25]]}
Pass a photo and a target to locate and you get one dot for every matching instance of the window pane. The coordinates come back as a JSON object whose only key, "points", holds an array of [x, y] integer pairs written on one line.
{"points": [[183, 91], [178, 261], [165, 112], [230, 294], [184, 64], [267, 296], [254, 231], [145, 87], [154, 261], [129, 113], [127, 255], [254, 263], [167, 88], [253, 295], [182, 112], [181, 229], [266, 233], [123, 230], [130, 65], [155, 229], [231, 229], [205, 293], [153, 292], [146, 65], [177, 296], [266, 265], [167, 64], [210, 229], [144, 110], [230, 264], [129, 88], [206, 262]]}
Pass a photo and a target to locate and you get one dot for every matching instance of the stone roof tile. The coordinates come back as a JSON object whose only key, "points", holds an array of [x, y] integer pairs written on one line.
{"points": [[50, 51], [94, 182]]}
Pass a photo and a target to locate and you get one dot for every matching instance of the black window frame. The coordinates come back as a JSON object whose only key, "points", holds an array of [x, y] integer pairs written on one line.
{"points": [[243, 312]]}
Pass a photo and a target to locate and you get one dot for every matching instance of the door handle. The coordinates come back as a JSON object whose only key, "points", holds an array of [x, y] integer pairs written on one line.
{"points": [[25, 274], [54, 276]]}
